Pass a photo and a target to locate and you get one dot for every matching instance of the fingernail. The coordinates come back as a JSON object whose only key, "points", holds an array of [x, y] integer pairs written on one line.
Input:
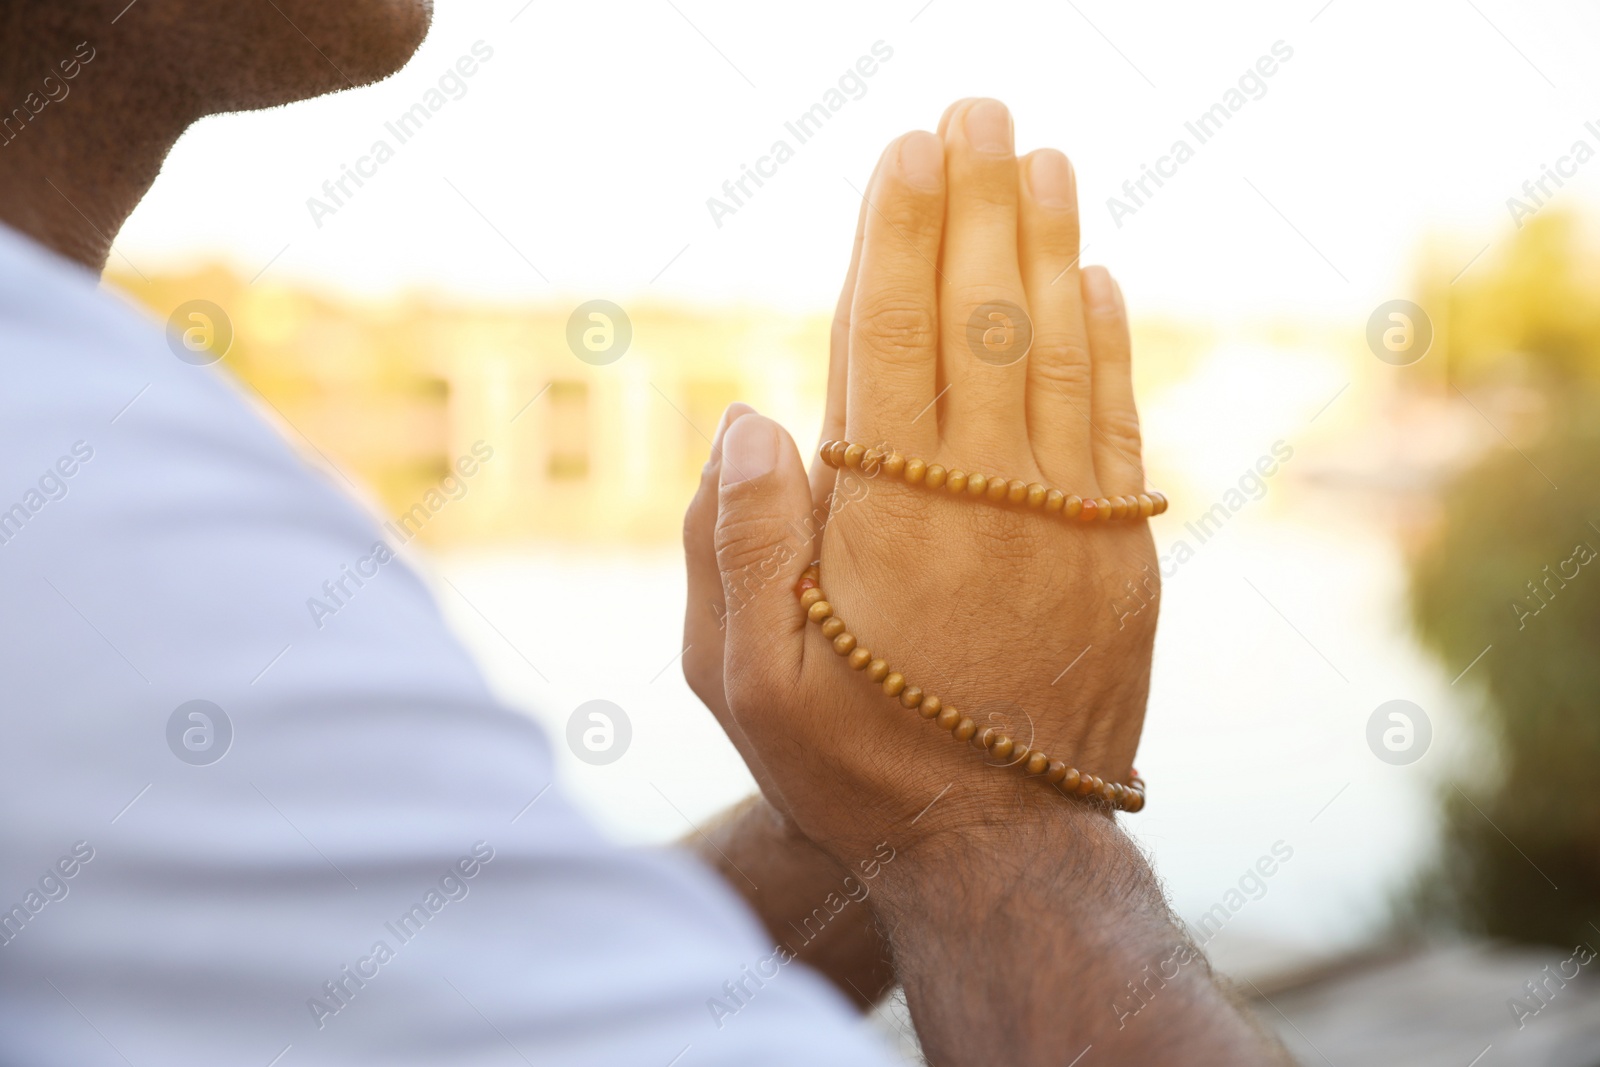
{"points": [[922, 160], [988, 127], [735, 411], [749, 450], [1050, 179], [1102, 293]]}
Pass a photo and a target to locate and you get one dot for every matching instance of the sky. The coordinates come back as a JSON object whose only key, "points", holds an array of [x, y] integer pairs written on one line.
{"points": [[577, 160]]}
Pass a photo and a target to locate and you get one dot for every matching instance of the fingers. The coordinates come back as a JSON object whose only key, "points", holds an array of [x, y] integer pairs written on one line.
{"points": [[893, 317], [833, 422], [763, 494], [1059, 376], [985, 332], [1118, 462]]}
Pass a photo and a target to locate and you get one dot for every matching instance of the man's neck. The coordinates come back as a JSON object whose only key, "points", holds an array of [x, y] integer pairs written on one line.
{"points": [[78, 153]]}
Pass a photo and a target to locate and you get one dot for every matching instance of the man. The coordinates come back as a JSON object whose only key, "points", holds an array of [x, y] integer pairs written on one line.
{"points": [[231, 838]]}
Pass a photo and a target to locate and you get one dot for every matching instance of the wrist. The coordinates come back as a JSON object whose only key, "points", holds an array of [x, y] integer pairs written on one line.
{"points": [[1011, 861]]}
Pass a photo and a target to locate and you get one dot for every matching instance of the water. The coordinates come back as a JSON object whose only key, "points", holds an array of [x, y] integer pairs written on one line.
{"points": [[1279, 638], [1277, 642]]}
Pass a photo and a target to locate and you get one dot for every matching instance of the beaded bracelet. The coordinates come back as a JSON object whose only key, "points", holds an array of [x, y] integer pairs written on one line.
{"points": [[1033, 761], [870, 461]]}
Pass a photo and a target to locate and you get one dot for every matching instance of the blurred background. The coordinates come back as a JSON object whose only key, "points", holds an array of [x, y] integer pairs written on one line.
{"points": [[1373, 266]]}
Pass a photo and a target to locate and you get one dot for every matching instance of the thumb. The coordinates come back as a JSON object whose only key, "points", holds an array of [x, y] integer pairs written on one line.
{"points": [[763, 540], [705, 607]]}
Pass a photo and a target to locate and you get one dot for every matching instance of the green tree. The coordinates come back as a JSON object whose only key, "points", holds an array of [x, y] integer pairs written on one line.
{"points": [[1515, 565]]}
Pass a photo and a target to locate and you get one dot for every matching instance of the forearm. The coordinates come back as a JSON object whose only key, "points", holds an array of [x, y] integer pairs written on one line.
{"points": [[1037, 949], [810, 905]]}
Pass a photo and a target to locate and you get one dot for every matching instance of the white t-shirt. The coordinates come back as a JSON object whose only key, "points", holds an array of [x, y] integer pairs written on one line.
{"points": [[360, 878]]}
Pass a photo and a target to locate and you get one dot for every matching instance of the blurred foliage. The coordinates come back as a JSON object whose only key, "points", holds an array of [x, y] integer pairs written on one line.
{"points": [[1515, 563], [1532, 311]]}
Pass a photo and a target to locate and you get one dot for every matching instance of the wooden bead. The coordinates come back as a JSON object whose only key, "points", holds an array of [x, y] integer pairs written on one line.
{"points": [[1129, 797], [1161, 502], [1054, 501], [853, 454], [1036, 494], [871, 460], [956, 481], [1018, 490], [1119, 508], [915, 470], [934, 477], [1089, 510], [1072, 507], [1000, 489], [1102, 509], [894, 464], [825, 450], [1147, 507], [977, 483]]}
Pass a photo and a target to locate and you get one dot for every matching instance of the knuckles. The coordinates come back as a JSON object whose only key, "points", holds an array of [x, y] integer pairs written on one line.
{"points": [[752, 547], [1064, 362], [907, 214], [1121, 428], [897, 327]]}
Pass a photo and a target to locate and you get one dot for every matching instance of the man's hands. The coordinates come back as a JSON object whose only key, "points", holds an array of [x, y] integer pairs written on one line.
{"points": [[988, 607], [1025, 928]]}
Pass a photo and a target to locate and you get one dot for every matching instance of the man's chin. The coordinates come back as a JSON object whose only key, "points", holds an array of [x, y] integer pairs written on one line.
{"points": [[381, 38], [309, 48], [408, 22]]}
